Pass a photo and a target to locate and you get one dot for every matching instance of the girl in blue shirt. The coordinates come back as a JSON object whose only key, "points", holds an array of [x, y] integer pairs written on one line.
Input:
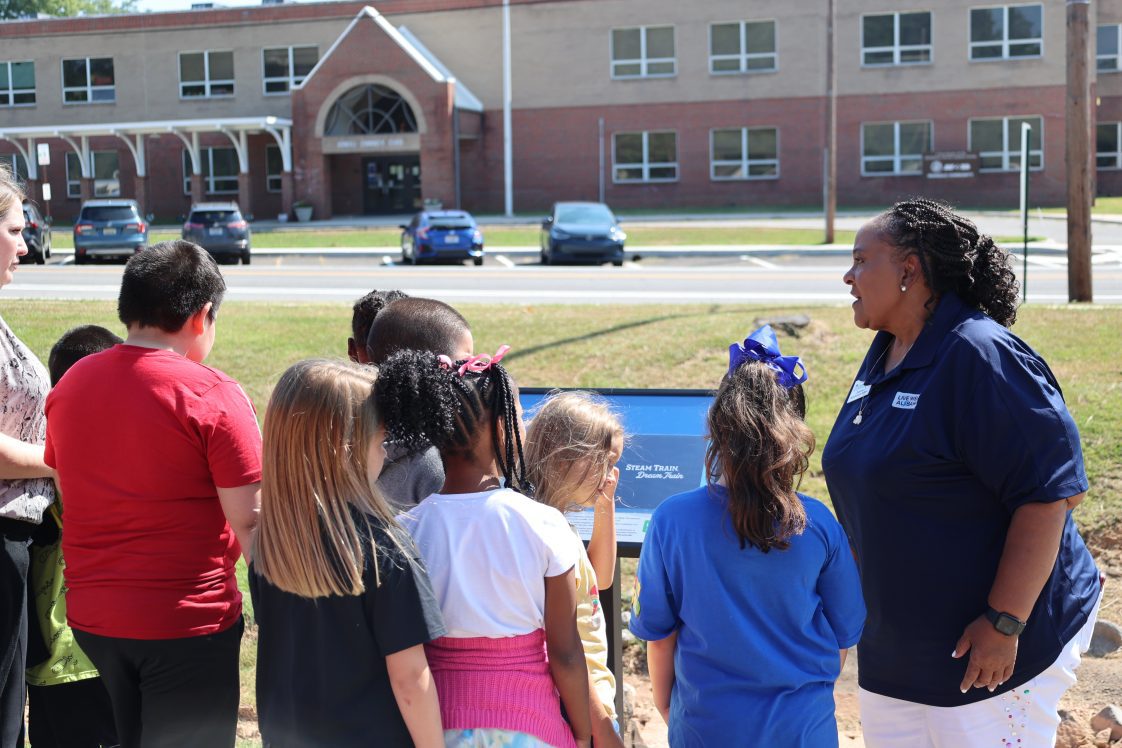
{"points": [[747, 592]]}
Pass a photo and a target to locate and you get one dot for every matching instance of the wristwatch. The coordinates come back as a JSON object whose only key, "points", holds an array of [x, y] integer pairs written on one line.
{"points": [[1005, 623]]}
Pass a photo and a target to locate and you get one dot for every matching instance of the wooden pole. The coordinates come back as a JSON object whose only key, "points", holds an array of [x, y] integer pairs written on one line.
{"points": [[1078, 151], [831, 165]]}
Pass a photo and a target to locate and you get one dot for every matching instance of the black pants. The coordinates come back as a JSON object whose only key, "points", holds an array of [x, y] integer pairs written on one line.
{"points": [[14, 561], [171, 693], [70, 715]]}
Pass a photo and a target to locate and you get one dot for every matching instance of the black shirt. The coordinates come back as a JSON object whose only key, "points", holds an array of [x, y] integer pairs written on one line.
{"points": [[321, 664]]}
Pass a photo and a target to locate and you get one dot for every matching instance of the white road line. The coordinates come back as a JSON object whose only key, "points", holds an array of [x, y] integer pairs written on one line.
{"points": [[761, 263], [504, 261]]}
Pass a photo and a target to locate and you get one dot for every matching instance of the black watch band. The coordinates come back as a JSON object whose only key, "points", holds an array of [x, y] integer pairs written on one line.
{"points": [[1005, 623]]}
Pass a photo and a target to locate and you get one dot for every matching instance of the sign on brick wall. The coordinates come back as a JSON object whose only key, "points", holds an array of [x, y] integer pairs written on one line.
{"points": [[950, 164]]}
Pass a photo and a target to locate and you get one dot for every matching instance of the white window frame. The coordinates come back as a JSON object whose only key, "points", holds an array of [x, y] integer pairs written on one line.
{"points": [[897, 48], [11, 90], [278, 177], [1005, 153], [209, 188], [642, 61], [292, 80], [744, 56], [1116, 154], [207, 83], [745, 162], [646, 165], [93, 172], [89, 88], [1005, 41], [1117, 56], [13, 160], [74, 182], [897, 157]]}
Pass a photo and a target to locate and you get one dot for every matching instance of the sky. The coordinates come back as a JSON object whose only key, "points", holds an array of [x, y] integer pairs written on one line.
{"points": [[164, 5]]}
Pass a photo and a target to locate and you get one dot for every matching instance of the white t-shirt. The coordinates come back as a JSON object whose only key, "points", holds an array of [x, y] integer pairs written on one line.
{"points": [[488, 555]]}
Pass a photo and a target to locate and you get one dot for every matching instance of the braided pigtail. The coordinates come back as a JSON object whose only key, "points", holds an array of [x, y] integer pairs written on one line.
{"points": [[505, 416]]}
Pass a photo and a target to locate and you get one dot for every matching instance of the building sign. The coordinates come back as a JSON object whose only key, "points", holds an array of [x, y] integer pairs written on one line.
{"points": [[950, 164], [406, 142]]}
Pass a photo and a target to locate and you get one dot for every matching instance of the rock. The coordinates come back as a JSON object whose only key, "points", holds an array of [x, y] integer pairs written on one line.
{"points": [[1109, 718], [1071, 734], [625, 618], [791, 324], [1106, 639], [628, 701], [627, 637]]}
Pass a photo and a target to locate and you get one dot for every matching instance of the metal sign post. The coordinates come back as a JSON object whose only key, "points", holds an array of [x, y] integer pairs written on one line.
{"points": [[43, 156], [1026, 132]]}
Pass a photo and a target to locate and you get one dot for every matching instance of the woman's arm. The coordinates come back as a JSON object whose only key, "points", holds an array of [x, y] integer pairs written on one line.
{"points": [[660, 664], [566, 653], [415, 692], [22, 460], [1031, 546], [602, 544]]}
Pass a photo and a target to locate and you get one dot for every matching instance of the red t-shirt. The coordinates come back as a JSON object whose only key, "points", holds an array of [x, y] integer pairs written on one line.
{"points": [[141, 439]]}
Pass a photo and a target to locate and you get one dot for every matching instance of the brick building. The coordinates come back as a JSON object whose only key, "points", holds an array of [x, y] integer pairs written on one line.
{"points": [[647, 103]]}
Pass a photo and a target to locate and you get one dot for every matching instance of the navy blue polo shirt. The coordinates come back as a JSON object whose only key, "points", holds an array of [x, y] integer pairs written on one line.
{"points": [[970, 426]]}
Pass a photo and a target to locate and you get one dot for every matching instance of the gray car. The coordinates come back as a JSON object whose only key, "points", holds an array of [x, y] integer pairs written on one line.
{"points": [[220, 229], [109, 228], [581, 232]]}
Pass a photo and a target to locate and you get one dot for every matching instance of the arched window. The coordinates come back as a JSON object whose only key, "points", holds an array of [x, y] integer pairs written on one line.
{"points": [[370, 110]]}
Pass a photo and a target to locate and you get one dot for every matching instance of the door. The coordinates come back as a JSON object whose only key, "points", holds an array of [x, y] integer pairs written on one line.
{"points": [[391, 185]]}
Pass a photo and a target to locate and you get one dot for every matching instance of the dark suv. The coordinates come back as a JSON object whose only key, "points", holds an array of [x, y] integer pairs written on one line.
{"points": [[220, 229], [36, 235], [109, 228]]}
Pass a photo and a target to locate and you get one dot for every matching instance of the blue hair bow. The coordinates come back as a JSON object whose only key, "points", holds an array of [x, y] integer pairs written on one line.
{"points": [[762, 346]]}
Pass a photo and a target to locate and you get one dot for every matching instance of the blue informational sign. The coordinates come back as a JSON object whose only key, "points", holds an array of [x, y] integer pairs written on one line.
{"points": [[664, 453]]}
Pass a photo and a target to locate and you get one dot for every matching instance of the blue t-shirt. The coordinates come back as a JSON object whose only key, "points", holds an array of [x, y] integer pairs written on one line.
{"points": [[759, 633], [970, 426]]}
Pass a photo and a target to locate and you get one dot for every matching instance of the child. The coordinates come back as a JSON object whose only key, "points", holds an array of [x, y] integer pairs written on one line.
{"points": [[365, 310], [747, 590], [501, 564], [68, 706], [342, 603], [572, 446], [159, 458]]}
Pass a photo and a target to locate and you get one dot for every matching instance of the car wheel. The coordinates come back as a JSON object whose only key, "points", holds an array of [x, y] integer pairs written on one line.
{"points": [[79, 259], [617, 263], [48, 255], [477, 261], [245, 257], [39, 258], [546, 259], [406, 254]]}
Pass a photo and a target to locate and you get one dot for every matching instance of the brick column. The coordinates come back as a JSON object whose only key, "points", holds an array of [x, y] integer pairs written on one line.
{"points": [[286, 193], [245, 195], [87, 189], [197, 195], [141, 196]]}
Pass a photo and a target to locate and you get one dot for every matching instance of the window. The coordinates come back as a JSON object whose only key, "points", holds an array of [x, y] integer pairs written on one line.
{"points": [[220, 171], [88, 80], [17, 83], [73, 175], [286, 67], [1108, 145], [744, 153], [274, 165], [998, 142], [106, 168], [745, 47], [1006, 32], [15, 162], [894, 148], [645, 52], [206, 74], [896, 39], [645, 157], [1107, 48]]}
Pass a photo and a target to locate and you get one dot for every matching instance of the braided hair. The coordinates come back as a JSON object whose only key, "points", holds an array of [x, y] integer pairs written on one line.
{"points": [[422, 402], [954, 256]]}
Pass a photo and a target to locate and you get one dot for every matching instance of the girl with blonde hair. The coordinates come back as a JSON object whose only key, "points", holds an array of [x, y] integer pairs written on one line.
{"points": [[343, 603]]}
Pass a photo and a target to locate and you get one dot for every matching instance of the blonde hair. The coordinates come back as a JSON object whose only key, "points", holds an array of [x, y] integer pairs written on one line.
{"points": [[570, 432], [11, 193], [318, 426]]}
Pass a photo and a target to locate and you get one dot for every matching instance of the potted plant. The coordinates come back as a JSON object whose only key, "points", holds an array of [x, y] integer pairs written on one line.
{"points": [[303, 210]]}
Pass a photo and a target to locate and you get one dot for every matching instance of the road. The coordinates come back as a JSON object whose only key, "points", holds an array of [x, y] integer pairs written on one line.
{"points": [[802, 278]]}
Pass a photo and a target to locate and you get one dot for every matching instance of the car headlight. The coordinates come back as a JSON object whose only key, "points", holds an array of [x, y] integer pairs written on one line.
{"points": [[559, 234], [617, 235]]}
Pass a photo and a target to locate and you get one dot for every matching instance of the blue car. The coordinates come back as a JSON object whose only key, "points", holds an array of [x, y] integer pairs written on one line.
{"points": [[581, 232], [441, 235], [109, 228]]}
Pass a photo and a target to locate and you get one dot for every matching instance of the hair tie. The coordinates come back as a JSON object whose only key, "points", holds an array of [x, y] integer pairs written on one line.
{"points": [[763, 346], [476, 364]]}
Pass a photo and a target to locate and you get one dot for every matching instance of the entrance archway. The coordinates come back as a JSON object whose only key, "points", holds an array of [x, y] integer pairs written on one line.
{"points": [[370, 109]]}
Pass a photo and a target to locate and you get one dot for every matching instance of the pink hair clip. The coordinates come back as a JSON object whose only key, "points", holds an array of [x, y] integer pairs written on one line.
{"points": [[477, 364]]}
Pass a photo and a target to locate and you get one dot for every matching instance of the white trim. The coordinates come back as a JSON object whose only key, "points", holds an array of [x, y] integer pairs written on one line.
{"points": [[642, 60], [279, 176], [897, 157], [1117, 56], [745, 162], [1004, 42], [209, 178], [146, 128], [12, 90], [897, 49], [291, 80], [89, 88], [1005, 154], [744, 56], [646, 164], [464, 98], [207, 83], [1116, 154]]}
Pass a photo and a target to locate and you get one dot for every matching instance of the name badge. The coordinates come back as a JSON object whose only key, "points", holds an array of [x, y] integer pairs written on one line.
{"points": [[860, 389], [905, 400]]}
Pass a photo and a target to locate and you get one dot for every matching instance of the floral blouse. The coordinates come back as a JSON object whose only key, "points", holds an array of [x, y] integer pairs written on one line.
{"points": [[24, 385]]}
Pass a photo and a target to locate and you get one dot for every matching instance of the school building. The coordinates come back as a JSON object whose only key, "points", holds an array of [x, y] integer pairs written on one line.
{"points": [[359, 109]]}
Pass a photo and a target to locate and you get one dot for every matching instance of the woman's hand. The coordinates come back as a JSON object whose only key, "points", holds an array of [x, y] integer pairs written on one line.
{"points": [[992, 655]]}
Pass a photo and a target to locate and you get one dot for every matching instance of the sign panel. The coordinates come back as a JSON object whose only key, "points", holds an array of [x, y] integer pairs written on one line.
{"points": [[405, 142], [43, 154], [47, 191], [664, 454], [950, 164]]}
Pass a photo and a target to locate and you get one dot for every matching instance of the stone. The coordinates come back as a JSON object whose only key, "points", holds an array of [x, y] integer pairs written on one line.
{"points": [[625, 618], [1072, 734], [1109, 718], [627, 637], [1106, 639], [791, 324]]}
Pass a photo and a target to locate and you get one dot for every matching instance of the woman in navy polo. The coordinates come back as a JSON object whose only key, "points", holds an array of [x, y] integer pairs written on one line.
{"points": [[954, 466]]}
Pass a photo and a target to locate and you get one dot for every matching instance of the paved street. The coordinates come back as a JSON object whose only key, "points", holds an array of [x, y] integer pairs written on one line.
{"points": [[748, 278]]}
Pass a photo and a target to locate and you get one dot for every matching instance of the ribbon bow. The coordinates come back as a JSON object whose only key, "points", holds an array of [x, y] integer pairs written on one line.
{"points": [[477, 364], [762, 346]]}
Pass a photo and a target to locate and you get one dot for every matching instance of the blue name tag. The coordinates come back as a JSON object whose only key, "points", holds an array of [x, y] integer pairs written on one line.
{"points": [[905, 400]]}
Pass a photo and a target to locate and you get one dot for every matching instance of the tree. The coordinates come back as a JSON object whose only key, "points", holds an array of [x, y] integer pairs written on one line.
{"points": [[15, 9]]}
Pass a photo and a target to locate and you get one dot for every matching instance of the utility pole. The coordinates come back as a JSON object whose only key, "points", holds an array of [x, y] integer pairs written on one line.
{"points": [[1078, 151], [508, 148], [830, 167]]}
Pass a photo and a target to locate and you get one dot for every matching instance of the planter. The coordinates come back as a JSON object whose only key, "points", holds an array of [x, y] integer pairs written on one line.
{"points": [[282, 218], [303, 213]]}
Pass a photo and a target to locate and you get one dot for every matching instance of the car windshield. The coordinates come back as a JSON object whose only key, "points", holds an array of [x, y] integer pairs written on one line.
{"points": [[584, 214], [451, 223], [109, 213], [215, 216]]}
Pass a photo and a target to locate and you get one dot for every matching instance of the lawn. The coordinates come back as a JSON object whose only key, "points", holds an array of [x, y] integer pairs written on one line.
{"points": [[647, 346]]}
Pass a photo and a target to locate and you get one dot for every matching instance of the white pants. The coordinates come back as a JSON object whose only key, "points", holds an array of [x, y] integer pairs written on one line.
{"points": [[1026, 717]]}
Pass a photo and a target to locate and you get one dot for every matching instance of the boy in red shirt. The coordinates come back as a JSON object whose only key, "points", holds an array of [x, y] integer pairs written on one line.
{"points": [[159, 458]]}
